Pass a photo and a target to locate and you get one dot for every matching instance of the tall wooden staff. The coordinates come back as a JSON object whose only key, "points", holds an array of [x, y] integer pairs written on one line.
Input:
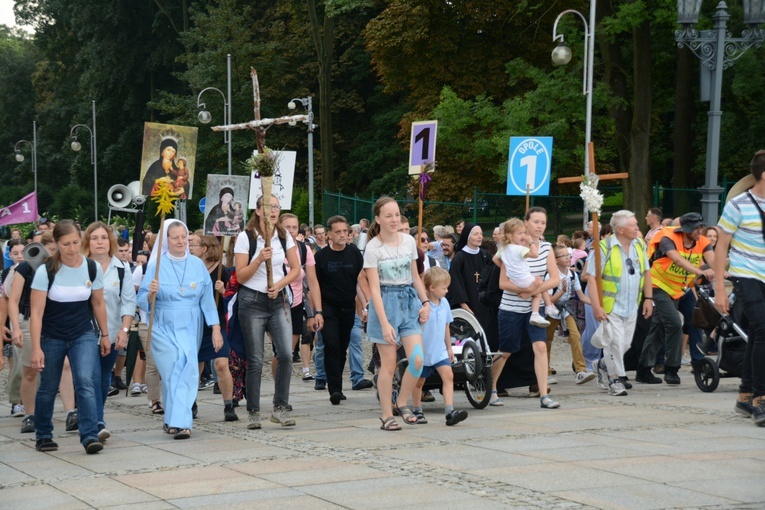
{"points": [[165, 199]]}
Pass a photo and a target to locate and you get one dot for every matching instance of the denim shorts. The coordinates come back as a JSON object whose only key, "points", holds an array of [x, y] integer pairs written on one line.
{"points": [[511, 328], [402, 308], [427, 370]]}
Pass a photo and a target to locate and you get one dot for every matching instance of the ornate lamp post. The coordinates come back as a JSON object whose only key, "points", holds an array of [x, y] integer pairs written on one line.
{"points": [[561, 55], [76, 146], [205, 117], [307, 103], [33, 145], [717, 50]]}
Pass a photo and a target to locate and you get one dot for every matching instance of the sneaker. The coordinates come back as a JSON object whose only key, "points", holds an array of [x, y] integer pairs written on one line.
{"points": [[119, 383], [671, 377], [658, 369], [216, 389], [194, 410], [103, 435], [113, 390], [205, 383], [603, 380], [583, 377], [552, 312], [295, 357], [144, 389], [320, 385], [28, 424], [494, 400], [254, 420], [46, 445], [454, 417], [548, 403], [17, 410], [551, 380], [282, 417], [93, 447], [135, 390], [686, 360], [363, 384], [307, 376], [538, 320], [744, 404], [72, 421], [625, 382], [645, 376], [427, 396], [229, 414], [758, 411], [617, 389]]}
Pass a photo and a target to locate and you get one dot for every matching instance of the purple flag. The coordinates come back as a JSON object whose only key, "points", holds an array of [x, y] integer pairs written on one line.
{"points": [[23, 211]]}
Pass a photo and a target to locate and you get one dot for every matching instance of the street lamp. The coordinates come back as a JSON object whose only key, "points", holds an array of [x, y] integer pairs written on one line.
{"points": [[205, 117], [33, 145], [307, 103], [77, 146], [561, 55], [717, 51]]}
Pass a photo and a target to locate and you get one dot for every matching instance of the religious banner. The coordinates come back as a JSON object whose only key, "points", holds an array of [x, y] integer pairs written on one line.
{"points": [[169, 156], [283, 179], [23, 211], [226, 204]]}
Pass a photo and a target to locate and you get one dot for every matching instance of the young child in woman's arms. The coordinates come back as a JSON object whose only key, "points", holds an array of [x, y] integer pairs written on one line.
{"points": [[437, 344], [517, 247]]}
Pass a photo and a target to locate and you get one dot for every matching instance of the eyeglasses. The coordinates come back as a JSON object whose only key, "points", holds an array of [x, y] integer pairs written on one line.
{"points": [[630, 266], [424, 239], [192, 245], [274, 207], [563, 256], [144, 252]]}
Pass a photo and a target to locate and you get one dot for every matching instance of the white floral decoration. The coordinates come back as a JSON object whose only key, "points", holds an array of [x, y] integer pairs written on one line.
{"points": [[589, 193]]}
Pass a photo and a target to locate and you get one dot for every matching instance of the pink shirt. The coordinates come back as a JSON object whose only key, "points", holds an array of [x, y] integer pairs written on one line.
{"points": [[297, 283]]}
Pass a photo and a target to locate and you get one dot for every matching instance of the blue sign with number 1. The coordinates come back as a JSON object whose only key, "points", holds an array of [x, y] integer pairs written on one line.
{"points": [[529, 165]]}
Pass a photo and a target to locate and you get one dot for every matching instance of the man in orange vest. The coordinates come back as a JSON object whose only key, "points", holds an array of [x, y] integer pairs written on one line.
{"points": [[677, 259]]}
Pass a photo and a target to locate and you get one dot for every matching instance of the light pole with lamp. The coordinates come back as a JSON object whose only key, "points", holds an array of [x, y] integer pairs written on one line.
{"points": [[33, 145], [205, 117], [561, 55], [307, 103], [76, 146], [717, 51]]}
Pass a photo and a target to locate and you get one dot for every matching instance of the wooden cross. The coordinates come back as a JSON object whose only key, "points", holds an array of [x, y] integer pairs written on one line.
{"points": [[260, 126], [477, 274], [595, 229]]}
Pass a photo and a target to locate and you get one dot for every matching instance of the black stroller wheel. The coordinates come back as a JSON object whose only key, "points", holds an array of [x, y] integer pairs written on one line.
{"points": [[472, 360], [707, 375], [478, 392]]}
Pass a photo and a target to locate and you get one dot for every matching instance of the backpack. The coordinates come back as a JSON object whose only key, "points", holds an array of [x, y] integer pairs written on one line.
{"points": [[489, 293], [92, 272]]}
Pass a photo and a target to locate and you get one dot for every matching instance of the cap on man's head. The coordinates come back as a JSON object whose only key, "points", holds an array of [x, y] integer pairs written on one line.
{"points": [[690, 222]]}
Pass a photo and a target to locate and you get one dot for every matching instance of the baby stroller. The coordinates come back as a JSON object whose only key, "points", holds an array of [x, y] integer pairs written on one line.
{"points": [[723, 330], [472, 366]]}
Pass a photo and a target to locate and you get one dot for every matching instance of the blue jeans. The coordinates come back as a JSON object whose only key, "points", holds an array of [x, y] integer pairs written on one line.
{"points": [[83, 353], [356, 353], [259, 314], [318, 357], [107, 363]]}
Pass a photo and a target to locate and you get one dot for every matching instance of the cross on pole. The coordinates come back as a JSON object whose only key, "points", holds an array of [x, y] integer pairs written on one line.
{"points": [[595, 229], [260, 126]]}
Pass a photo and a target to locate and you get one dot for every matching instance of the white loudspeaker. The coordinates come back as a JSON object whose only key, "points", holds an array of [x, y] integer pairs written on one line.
{"points": [[119, 195], [135, 190]]}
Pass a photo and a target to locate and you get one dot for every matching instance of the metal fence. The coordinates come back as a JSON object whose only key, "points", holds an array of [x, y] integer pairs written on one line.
{"points": [[490, 209]]}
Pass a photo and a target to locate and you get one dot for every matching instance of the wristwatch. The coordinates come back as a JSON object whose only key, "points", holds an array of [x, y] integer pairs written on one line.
{"points": [[318, 312], [126, 330]]}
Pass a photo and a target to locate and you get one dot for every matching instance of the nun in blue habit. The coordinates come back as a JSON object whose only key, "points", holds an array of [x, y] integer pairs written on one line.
{"points": [[184, 298]]}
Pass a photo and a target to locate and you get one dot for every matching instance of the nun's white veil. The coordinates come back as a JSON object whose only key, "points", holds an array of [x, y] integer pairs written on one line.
{"points": [[168, 223]]}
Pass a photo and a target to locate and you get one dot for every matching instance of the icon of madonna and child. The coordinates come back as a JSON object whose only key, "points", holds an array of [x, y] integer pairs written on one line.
{"points": [[177, 157], [226, 204]]}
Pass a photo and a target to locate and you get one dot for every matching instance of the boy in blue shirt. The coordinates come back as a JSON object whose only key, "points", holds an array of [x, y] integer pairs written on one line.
{"points": [[437, 344]]}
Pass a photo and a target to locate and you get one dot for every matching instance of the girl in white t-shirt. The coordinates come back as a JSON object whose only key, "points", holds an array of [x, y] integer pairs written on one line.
{"points": [[517, 247]]}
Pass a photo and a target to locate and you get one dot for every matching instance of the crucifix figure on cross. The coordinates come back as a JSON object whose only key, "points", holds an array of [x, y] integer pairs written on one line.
{"points": [[591, 181], [260, 126]]}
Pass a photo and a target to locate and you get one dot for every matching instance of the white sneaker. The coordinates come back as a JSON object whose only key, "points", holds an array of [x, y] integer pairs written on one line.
{"points": [[17, 410], [495, 400], [552, 312], [135, 390], [103, 435], [617, 389], [685, 361], [551, 380], [583, 377], [144, 388], [538, 320], [603, 381]]}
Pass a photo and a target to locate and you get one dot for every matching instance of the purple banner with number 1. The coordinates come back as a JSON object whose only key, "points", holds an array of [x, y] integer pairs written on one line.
{"points": [[422, 145]]}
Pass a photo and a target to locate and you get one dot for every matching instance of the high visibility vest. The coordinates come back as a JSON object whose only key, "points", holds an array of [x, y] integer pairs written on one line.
{"points": [[612, 272], [670, 277]]}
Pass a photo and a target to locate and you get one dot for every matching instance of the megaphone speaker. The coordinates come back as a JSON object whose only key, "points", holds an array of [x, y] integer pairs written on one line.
{"points": [[119, 195]]}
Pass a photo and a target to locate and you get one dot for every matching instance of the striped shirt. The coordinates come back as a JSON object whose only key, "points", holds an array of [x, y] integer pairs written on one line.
{"points": [[511, 302], [742, 220]]}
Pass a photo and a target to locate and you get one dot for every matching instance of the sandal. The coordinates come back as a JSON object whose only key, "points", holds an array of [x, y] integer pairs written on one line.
{"points": [[156, 408], [390, 424], [548, 403], [421, 420], [168, 429], [407, 415], [182, 434]]}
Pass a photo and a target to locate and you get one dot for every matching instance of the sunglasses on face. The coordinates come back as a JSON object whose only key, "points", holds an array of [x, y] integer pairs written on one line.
{"points": [[630, 266], [424, 239]]}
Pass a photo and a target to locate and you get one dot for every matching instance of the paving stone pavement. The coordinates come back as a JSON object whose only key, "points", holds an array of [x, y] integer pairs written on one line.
{"points": [[658, 447]]}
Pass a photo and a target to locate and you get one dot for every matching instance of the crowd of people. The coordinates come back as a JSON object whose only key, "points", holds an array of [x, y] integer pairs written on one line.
{"points": [[313, 292]]}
